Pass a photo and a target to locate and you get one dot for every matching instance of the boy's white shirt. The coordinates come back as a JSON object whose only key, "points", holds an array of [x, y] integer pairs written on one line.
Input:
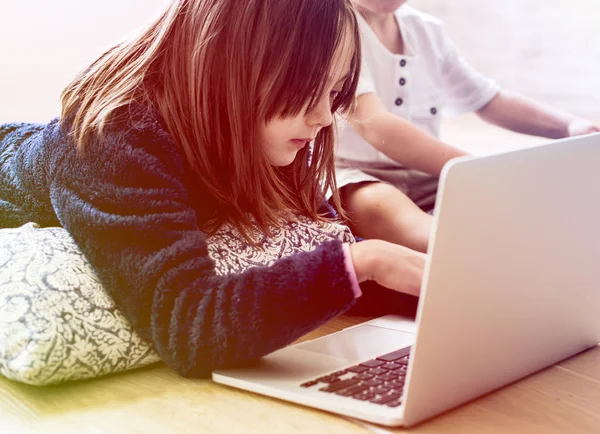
{"points": [[437, 81]]}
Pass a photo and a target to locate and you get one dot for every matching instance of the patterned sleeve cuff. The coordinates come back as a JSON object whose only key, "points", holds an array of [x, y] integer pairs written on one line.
{"points": [[351, 271]]}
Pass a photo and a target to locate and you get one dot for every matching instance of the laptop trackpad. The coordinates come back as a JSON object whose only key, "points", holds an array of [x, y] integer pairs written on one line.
{"points": [[359, 343]]}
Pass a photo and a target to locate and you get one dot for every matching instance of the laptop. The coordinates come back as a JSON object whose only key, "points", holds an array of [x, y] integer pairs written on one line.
{"points": [[511, 286]]}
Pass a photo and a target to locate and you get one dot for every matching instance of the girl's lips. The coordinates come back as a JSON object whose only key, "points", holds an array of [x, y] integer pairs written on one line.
{"points": [[300, 142]]}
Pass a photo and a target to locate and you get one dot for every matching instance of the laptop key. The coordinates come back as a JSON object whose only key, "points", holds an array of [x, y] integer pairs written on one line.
{"points": [[391, 366], [357, 369], [397, 390], [334, 387], [328, 379], [353, 390], [372, 383], [394, 403], [395, 355], [387, 377], [395, 384], [309, 383], [364, 376], [377, 371], [365, 396], [380, 390], [372, 363], [384, 398]]}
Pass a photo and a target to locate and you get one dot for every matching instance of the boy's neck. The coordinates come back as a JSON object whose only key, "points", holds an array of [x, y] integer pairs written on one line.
{"points": [[386, 28], [377, 20]]}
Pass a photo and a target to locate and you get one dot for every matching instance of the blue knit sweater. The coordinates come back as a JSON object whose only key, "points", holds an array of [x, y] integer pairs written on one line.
{"points": [[132, 204]]}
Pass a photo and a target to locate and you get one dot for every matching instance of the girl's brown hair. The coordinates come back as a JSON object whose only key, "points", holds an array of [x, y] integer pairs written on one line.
{"points": [[216, 70]]}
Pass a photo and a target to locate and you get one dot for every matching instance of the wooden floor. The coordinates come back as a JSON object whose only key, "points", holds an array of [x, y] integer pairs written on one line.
{"points": [[563, 399]]}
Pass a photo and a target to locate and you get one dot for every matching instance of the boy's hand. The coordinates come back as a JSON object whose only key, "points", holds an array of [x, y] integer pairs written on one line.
{"points": [[579, 127]]}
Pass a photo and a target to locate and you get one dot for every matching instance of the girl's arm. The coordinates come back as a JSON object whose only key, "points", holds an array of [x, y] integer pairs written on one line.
{"points": [[125, 204], [399, 139], [521, 114]]}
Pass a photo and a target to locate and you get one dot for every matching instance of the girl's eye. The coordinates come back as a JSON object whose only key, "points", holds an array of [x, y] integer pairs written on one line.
{"points": [[334, 94]]}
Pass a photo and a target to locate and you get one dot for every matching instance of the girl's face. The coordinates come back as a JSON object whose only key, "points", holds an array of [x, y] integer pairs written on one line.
{"points": [[379, 6], [282, 138]]}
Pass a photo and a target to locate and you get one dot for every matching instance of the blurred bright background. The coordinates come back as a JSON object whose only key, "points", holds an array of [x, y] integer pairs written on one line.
{"points": [[44, 44], [547, 49]]}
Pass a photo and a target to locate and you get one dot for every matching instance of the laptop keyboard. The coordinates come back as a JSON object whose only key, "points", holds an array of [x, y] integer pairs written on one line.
{"points": [[380, 380]]}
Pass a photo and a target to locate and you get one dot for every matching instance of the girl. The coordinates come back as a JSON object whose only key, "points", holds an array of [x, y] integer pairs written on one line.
{"points": [[180, 149], [388, 163]]}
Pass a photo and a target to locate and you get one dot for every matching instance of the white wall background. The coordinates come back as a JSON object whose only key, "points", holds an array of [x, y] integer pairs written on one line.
{"points": [[549, 49], [44, 43]]}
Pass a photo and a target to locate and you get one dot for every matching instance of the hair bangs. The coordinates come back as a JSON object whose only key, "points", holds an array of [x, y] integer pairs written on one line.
{"points": [[304, 55]]}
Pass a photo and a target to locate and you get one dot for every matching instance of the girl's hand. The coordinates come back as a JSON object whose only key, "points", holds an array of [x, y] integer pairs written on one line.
{"points": [[390, 265], [579, 127]]}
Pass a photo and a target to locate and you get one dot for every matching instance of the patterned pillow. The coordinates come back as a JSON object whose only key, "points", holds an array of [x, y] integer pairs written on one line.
{"points": [[58, 324], [232, 253], [56, 321]]}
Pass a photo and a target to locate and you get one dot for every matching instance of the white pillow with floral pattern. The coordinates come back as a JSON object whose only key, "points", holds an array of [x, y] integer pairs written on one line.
{"points": [[57, 322]]}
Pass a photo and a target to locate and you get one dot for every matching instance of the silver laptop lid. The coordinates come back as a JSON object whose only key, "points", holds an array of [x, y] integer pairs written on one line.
{"points": [[513, 282]]}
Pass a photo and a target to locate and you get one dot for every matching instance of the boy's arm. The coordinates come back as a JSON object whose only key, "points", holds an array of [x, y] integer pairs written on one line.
{"points": [[521, 114], [399, 139], [468, 90]]}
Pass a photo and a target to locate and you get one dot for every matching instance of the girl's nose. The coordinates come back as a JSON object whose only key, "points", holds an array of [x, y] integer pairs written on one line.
{"points": [[321, 115]]}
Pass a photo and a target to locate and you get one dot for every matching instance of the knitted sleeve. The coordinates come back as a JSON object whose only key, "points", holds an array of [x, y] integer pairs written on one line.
{"points": [[125, 202]]}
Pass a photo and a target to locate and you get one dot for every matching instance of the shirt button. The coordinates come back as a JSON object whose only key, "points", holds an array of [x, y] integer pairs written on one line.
{"points": [[402, 81], [398, 101], [433, 110], [403, 63]]}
